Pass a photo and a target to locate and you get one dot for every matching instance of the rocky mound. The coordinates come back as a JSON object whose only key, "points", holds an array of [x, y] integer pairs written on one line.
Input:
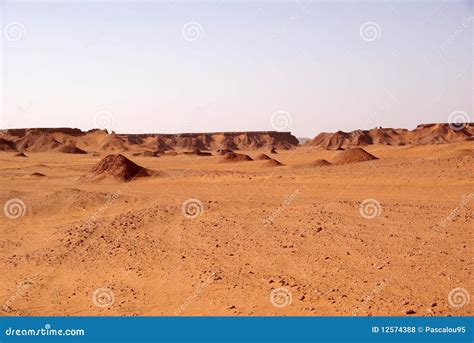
{"points": [[320, 163], [170, 153], [273, 163], [20, 154], [234, 157], [223, 151], [147, 153], [6, 145], [262, 157], [37, 174], [198, 152], [71, 149], [118, 167], [353, 156]]}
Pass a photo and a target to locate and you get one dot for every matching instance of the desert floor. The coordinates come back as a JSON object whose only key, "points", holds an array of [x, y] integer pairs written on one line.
{"points": [[295, 229]]}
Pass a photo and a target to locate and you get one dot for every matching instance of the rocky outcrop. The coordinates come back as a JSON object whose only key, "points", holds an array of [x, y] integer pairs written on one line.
{"points": [[423, 134], [119, 168], [46, 139], [218, 140]]}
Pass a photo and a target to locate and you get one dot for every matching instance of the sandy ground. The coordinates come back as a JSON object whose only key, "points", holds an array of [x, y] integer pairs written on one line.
{"points": [[84, 247]]}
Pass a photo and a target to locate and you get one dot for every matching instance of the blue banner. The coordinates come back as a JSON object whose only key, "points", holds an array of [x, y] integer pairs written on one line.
{"points": [[236, 329]]}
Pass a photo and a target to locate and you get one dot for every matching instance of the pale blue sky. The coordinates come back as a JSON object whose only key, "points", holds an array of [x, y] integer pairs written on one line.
{"points": [[308, 59]]}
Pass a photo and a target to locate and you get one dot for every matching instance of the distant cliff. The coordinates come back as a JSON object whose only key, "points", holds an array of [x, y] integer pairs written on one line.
{"points": [[421, 135], [50, 139]]}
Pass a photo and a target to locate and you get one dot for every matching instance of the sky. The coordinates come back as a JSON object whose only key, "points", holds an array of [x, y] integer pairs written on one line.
{"points": [[209, 66]]}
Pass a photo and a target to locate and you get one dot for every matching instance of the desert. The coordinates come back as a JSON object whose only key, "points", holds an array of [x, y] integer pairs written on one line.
{"points": [[368, 222]]}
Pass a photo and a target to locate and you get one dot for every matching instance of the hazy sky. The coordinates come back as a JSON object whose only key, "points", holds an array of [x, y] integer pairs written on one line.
{"points": [[168, 66]]}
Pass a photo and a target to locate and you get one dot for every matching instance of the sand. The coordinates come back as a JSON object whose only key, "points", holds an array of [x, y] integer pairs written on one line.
{"points": [[211, 238]]}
